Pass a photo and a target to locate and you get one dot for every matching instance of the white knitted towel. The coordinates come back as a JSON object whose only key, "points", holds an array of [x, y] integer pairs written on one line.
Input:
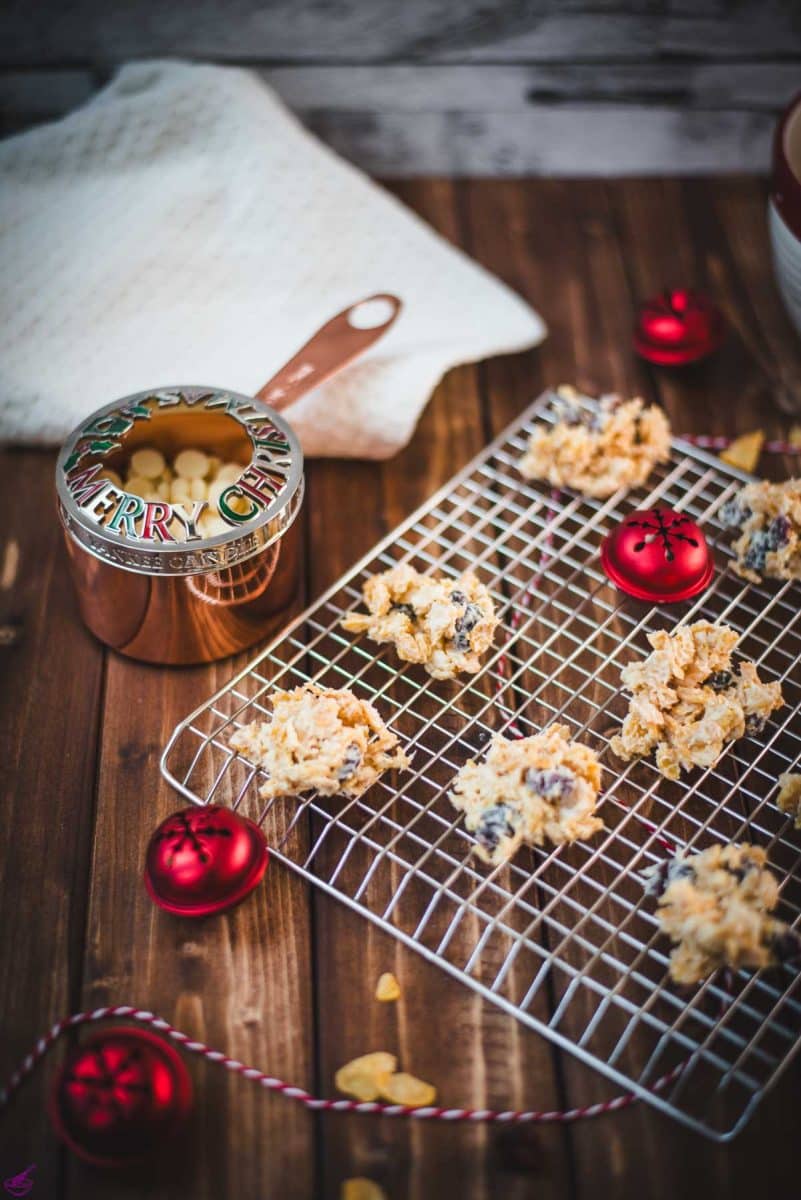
{"points": [[182, 227]]}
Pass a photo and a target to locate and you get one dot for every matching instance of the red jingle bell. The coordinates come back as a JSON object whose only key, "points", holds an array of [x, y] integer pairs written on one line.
{"points": [[678, 327], [119, 1096], [204, 859], [659, 555]]}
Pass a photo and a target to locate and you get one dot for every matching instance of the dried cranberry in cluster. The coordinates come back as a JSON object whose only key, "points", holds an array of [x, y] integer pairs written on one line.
{"points": [[551, 785], [786, 946], [495, 823], [757, 551], [733, 514], [719, 681], [659, 878], [350, 763], [406, 609], [778, 532]]}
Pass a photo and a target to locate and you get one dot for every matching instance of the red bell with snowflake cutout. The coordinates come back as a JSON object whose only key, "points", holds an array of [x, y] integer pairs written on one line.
{"points": [[659, 555], [204, 859], [120, 1096], [678, 327]]}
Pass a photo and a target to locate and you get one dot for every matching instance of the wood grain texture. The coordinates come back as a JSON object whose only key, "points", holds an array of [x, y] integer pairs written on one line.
{"points": [[286, 981], [384, 31], [500, 89], [51, 686]]}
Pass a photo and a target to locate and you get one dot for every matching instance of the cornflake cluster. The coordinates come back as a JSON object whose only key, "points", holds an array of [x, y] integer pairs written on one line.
{"points": [[789, 798], [768, 517], [613, 444], [192, 475], [715, 906], [689, 699], [444, 624], [531, 790], [320, 739]]}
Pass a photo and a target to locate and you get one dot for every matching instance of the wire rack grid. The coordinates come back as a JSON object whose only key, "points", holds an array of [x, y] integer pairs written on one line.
{"points": [[565, 939]]}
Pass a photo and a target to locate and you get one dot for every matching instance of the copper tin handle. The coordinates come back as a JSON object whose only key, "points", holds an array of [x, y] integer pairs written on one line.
{"points": [[336, 343]]}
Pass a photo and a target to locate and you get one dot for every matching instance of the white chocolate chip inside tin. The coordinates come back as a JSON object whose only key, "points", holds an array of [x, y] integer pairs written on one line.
{"points": [[191, 464], [147, 463]]}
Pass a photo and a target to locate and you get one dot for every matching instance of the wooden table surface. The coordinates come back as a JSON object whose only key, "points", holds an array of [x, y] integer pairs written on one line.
{"points": [[286, 980]]}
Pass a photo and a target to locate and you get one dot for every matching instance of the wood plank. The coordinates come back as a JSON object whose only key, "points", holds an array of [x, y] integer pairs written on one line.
{"points": [[51, 678], [513, 89], [474, 1053], [539, 31], [570, 139], [240, 982], [503, 121]]}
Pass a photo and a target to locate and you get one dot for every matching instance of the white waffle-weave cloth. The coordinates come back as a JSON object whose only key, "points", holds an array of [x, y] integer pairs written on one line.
{"points": [[183, 227]]}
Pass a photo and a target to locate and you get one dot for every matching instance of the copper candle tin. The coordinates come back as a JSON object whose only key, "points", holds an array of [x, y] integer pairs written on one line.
{"points": [[149, 584]]}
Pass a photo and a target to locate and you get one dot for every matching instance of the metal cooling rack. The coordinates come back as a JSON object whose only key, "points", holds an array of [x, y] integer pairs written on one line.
{"points": [[565, 940]]}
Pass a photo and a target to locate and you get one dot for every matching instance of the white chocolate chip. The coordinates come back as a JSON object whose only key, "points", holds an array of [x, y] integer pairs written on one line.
{"points": [[197, 489], [147, 463], [179, 490], [138, 486], [211, 525], [214, 466], [191, 464], [229, 473], [216, 489], [164, 490]]}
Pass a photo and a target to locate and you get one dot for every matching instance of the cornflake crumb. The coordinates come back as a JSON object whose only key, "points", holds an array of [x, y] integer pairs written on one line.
{"points": [[361, 1188], [359, 1077], [387, 988], [375, 1075], [744, 451]]}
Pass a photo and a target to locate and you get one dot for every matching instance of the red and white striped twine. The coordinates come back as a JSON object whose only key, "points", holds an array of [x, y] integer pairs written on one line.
{"points": [[706, 441], [430, 1113]]}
